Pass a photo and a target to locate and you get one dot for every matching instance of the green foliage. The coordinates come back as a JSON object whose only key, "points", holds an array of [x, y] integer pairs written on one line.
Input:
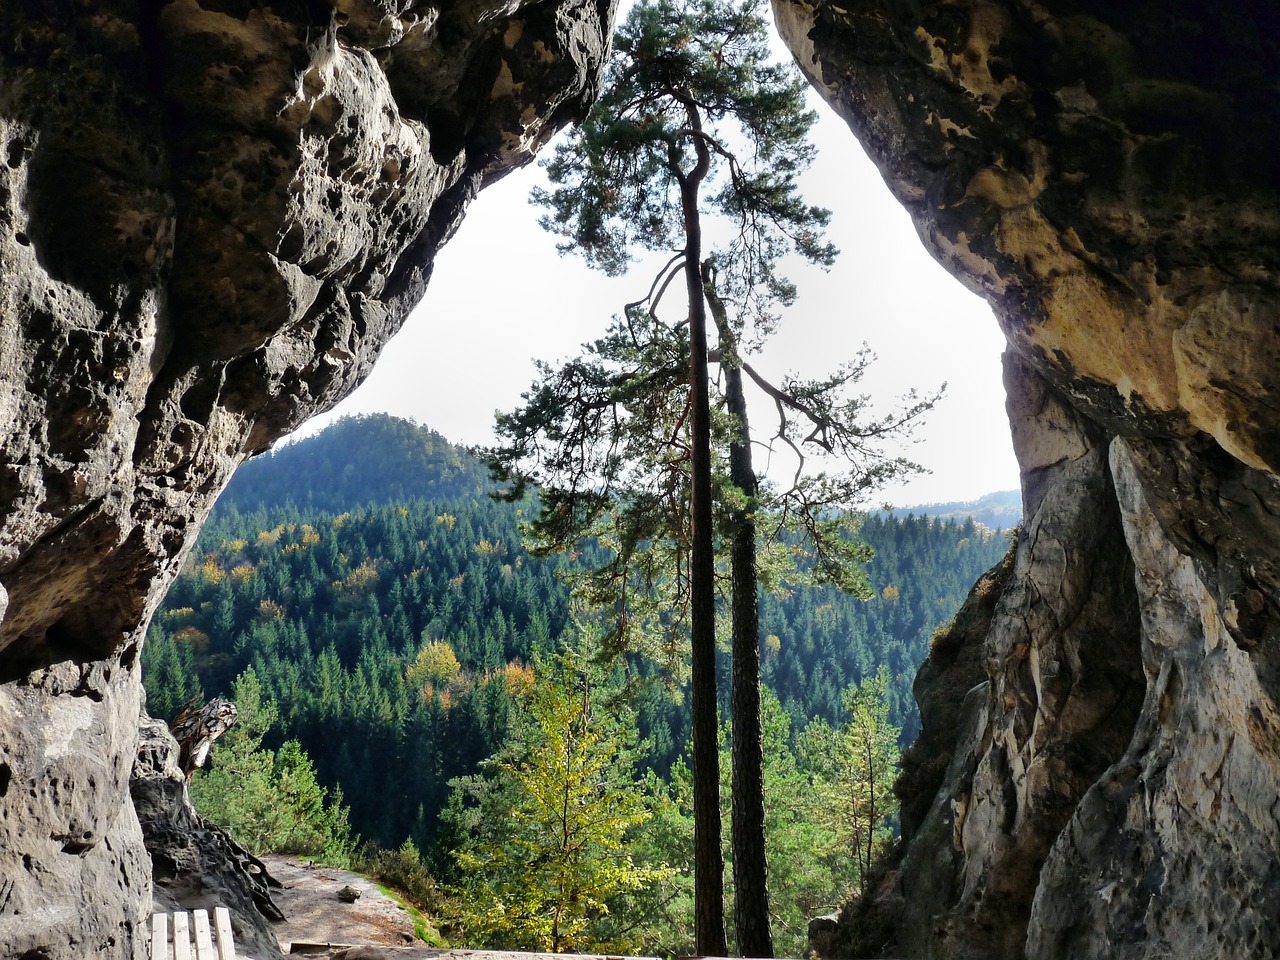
{"points": [[347, 620], [802, 884], [619, 440], [372, 458], [169, 665], [823, 640], [606, 437], [815, 840], [340, 674], [812, 867], [404, 871], [543, 874], [1001, 510], [383, 634], [269, 800], [658, 919], [687, 77], [691, 102], [854, 767]]}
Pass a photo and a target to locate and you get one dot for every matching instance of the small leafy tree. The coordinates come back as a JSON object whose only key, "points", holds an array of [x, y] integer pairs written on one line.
{"points": [[694, 124], [854, 766], [659, 918], [546, 849], [269, 800]]}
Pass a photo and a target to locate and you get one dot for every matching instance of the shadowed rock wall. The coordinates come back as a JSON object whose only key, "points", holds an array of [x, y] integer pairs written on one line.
{"points": [[213, 215], [1108, 177]]}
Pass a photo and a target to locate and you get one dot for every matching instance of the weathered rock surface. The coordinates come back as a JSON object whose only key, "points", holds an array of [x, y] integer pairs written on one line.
{"points": [[194, 863], [1108, 176], [213, 215], [68, 836]]}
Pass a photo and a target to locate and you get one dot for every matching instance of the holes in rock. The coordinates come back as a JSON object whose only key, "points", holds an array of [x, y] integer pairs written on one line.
{"points": [[74, 638], [14, 155], [22, 238], [199, 399], [291, 244], [6, 777], [447, 135], [78, 846], [1251, 615]]}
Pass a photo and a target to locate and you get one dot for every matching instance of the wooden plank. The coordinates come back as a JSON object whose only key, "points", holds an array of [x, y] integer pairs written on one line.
{"points": [[160, 936], [226, 939], [204, 938], [181, 937]]}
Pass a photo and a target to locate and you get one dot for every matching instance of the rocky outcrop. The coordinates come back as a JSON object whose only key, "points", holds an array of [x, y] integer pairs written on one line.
{"points": [[1106, 176], [213, 215], [194, 863]]}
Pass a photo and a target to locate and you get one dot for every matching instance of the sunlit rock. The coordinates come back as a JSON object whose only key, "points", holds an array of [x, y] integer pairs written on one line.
{"points": [[1106, 176]]}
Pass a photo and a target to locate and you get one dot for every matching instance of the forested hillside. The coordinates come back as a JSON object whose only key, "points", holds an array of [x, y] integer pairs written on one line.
{"points": [[357, 461], [387, 607], [1000, 511]]}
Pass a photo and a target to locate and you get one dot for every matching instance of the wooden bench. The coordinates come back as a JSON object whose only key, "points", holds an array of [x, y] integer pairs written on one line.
{"points": [[192, 937]]}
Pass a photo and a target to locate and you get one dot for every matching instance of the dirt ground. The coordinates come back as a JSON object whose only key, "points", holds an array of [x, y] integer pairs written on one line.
{"points": [[318, 920], [319, 925]]}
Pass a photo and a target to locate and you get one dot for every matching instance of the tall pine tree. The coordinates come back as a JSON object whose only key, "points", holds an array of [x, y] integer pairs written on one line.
{"points": [[695, 122]]}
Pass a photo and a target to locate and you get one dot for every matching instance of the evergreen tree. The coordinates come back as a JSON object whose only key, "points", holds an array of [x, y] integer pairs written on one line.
{"points": [[269, 800], [802, 883], [438, 721], [855, 766], [694, 122], [172, 679]]}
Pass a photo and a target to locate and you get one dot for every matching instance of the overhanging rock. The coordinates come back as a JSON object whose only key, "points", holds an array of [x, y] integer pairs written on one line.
{"points": [[1108, 177], [213, 215]]}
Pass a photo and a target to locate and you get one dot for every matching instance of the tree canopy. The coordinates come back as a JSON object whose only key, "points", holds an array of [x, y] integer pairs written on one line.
{"points": [[695, 146], [395, 639]]}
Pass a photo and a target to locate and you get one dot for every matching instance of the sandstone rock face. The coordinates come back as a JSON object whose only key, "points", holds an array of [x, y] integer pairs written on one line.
{"points": [[195, 864], [213, 215], [1107, 176]]}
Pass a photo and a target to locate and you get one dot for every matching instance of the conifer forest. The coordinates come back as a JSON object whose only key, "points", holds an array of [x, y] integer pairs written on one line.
{"points": [[416, 689]]}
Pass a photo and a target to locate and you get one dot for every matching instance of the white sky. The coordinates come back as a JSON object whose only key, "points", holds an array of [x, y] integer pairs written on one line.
{"points": [[501, 296]]}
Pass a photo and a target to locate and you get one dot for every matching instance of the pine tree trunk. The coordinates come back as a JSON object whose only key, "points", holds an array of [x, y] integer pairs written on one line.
{"points": [[708, 860], [750, 868]]}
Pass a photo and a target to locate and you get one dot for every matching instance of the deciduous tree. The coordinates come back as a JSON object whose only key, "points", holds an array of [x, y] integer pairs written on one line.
{"points": [[549, 853]]}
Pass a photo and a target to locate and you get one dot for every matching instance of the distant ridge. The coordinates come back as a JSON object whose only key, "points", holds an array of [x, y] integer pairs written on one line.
{"points": [[355, 462], [379, 458], [999, 511]]}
